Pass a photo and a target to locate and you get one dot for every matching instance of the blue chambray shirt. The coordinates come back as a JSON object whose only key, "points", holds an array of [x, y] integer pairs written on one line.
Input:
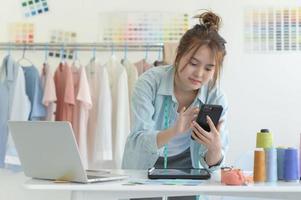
{"points": [[147, 118]]}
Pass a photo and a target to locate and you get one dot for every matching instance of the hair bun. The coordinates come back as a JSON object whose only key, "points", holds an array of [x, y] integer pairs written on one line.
{"points": [[210, 20]]}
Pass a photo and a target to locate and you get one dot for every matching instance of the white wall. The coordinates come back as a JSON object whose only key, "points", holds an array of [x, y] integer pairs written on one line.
{"points": [[263, 90]]}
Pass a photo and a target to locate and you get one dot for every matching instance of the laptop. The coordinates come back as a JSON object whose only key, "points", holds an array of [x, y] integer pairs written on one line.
{"points": [[48, 150]]}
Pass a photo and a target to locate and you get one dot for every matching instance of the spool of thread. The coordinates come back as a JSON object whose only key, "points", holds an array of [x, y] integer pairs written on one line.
{"points": [[271, 164], [280, 162], [291, 168], [259, 166], [264, 139]]}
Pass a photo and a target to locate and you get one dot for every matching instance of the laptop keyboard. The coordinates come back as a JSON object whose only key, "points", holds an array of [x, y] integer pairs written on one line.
{"points": [[94, 177]]}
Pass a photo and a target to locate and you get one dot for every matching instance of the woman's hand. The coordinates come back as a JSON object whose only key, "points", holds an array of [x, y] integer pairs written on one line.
{"points": [[211, 140], [185, 118]]}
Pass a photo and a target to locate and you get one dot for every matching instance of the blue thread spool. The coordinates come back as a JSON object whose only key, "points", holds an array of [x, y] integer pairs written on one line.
{"points": [[280, 162], [271, 164], [291, 171]]}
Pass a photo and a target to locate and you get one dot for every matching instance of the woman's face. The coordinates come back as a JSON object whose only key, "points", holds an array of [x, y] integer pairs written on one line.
{"points": [[199, 70]]}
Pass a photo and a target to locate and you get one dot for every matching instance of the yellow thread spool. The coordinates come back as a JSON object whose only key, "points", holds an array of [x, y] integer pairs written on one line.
{"points": [[264, 139]]}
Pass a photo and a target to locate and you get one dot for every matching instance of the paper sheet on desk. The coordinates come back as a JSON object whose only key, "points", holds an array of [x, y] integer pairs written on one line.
{"points": [[164, 182]]}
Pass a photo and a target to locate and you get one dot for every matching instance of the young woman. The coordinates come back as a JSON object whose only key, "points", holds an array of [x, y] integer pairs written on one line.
{"points": [[166, 102]]}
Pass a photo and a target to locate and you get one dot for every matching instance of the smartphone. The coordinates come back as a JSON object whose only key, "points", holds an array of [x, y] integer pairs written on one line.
{"points": [[213, 111]]}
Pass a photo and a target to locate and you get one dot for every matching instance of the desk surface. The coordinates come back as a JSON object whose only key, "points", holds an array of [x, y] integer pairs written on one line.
{"points": [[289, 190]]}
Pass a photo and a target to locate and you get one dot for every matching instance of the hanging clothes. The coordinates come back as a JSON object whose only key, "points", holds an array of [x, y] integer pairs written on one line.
{"points": [[100, 117], [14, 105], [64, 88], [132, 75], [34, 92], [83, 104], [49, 95], [120, 107], [142, 66], [169, 53]]}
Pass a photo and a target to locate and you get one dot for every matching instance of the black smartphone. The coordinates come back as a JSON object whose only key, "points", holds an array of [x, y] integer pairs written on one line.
{"points": [[156, 173], [213, 111]]}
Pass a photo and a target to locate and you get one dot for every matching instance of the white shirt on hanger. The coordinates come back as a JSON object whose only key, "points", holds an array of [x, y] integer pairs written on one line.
{"points": [[133, 75], [120, 111], [100, 118], [19, 105]]}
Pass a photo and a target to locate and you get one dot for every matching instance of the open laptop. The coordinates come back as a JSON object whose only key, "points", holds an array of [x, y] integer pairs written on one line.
{"points": [[48, 150]]}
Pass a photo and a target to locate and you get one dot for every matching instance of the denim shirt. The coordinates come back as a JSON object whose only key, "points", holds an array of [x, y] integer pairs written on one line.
{"points": [[147, 118]]}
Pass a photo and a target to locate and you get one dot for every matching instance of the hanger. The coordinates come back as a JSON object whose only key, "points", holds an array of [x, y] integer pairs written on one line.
{"points": [[125, 57], [159, 55], [9, 49], [112, 50], [125, 51], [94, 53], [46, 54], [23, 58], [91, 65], [146, 53], [62, 52], [159, 60], [93, 58], [76, 61]]}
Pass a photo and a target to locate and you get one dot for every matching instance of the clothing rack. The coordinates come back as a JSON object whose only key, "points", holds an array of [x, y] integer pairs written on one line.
{"points": [[81, 46]]}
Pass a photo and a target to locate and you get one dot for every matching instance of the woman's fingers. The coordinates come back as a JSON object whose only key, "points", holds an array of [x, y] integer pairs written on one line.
{"points": [[199, 137], [200, 131], [211, 124], [192, 110]]}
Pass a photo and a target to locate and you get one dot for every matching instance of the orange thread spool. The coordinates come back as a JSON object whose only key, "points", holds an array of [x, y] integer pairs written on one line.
{"points": [[259, 166]]}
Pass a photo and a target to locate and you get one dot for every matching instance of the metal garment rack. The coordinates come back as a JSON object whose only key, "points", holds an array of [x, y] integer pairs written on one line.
{"points": [[81, 46]]}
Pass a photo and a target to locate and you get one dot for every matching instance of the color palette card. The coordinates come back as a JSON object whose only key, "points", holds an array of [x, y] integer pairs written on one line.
{"points": [[142, 27], [34, 7], [21, 32], [62, 37], [272, 29]]}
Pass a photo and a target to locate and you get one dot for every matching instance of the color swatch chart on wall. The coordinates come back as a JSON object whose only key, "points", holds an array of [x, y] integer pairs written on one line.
{"points": [[62, 37], [138, 27], [272, 29], [34, 7], [20, 32]]}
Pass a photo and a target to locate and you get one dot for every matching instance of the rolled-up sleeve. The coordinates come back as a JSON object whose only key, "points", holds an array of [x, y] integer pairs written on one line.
{"points": [[141, 150]]}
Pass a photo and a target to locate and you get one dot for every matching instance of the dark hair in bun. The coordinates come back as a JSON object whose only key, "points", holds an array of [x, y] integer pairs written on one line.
{"points": [[209, 20], [204, 34]]}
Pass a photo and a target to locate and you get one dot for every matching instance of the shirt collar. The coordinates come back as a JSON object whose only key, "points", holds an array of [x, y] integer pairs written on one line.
{"points": [[166, 86], [167, 83]]}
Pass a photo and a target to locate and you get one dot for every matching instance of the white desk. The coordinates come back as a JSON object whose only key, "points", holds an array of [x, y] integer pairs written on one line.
{"points": [[114, 190]]}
